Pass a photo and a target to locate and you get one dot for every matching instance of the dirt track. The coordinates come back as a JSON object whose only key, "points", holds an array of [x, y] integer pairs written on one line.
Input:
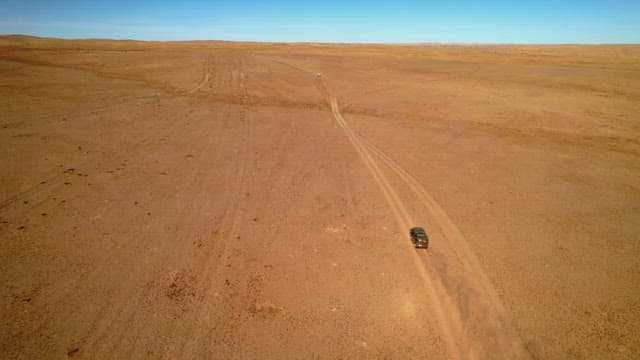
{"points": [[186, 200]]}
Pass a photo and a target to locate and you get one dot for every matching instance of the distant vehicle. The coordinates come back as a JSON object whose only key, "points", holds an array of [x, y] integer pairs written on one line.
{"points": [[318, 75], [419, 238]]}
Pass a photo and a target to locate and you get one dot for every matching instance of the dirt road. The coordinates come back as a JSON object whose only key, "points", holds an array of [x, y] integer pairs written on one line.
{"points": [[454, 280], [218, 200]]}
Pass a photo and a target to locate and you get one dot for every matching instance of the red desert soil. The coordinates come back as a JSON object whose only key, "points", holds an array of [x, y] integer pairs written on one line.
{"points": [[222, 200]]}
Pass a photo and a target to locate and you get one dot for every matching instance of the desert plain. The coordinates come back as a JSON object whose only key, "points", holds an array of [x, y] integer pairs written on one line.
{"points": [[253, 200]]}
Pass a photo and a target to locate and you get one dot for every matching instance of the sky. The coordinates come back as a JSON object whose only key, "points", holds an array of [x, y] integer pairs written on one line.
{"points": [[400, 21]]}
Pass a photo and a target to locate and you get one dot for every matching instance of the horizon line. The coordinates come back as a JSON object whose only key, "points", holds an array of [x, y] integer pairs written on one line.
{"points": [[322, 42]]}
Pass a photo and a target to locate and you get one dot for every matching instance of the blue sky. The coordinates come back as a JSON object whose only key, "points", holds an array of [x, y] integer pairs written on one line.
{"points": [[401, 21]]}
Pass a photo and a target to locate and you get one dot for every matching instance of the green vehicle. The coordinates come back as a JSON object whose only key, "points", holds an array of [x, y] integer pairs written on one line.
{"points": [[419, 238]]}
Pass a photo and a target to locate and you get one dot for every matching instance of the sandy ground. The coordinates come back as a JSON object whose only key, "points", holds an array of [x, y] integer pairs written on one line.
{"points": [[212, 199]]}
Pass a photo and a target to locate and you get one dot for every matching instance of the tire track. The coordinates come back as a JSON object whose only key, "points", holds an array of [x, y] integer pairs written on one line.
{"points": [[462, 249], [212, 249], [473, 320], [230, 225], [202, 83], [205, 78], [211, 264], [404, 220], [478, 304], [122, 319]]}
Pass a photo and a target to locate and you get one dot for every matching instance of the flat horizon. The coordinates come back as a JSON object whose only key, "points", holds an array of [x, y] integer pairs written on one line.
{"points": [[321, 42]]}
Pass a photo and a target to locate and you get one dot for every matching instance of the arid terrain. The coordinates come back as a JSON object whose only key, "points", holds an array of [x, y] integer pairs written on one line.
{"points": [[253, 200]]}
